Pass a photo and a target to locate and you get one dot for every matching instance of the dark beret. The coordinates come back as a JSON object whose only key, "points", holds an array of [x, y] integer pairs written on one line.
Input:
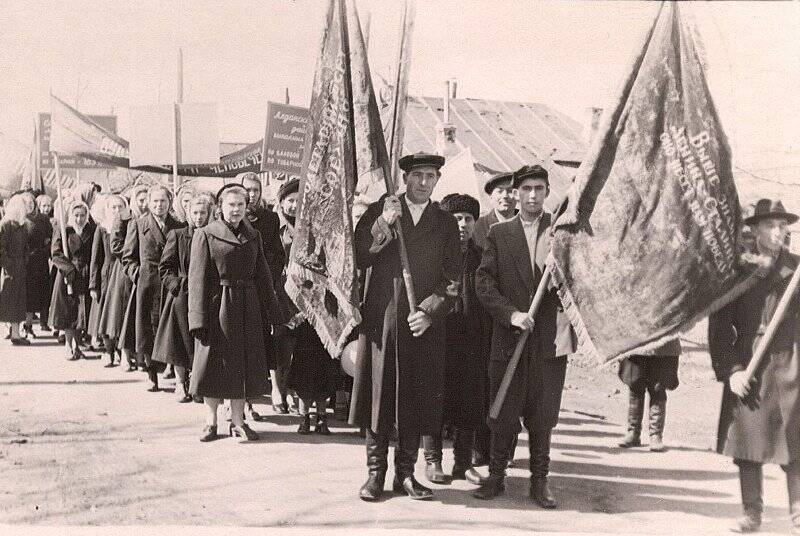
{"points": [[530, 172], [230, 186], [497, 180], [410, 161], [288, 187], [454, 203]]}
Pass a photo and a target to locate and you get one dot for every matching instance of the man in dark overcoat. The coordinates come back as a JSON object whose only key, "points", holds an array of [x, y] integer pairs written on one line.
{"points": [[401, 356], [502, 203], [266, 222], [144, 244], [512, 265], [760, 417]]}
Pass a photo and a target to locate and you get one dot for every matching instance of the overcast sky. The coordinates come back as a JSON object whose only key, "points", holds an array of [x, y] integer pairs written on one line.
{"points": [[106, 55]]}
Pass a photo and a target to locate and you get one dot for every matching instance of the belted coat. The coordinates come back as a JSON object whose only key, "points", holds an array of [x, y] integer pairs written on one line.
{"points": [[399, 377], [173, 343], [232, 300]]}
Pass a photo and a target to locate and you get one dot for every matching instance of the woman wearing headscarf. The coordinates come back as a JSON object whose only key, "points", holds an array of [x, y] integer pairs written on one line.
{"points": [[180, 205], [40, 235], [69, 309], [232, 306], [100, 269], [173, 343], [144, 244], [13, 260], [118, 304]]}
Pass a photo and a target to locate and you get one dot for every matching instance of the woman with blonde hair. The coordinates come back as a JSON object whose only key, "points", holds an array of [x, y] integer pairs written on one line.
{"points": [[69, 308], [232, 306], [180, 205], [101, 267], [40, 235], [174, 344], [13, 260]]}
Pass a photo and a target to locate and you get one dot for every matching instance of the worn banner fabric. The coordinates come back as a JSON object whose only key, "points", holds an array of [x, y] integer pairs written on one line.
{"points": [[648, 243], [74, 133], [344, 141]]}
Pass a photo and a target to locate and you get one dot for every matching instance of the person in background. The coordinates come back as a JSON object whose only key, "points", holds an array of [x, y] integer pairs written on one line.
{"points": [[13, 260], [173, 343], [467, 356], [267, 223], [654, 372], [45, 204], [180, 206], [502, 203], [100, 270], [144, 244], [118, 287], [69, 306], [40, 235], [232, 309], [138, 200], [759, 418]]}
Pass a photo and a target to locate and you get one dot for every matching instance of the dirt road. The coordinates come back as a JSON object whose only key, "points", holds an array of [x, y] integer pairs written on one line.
{"points": [[81, 444]]}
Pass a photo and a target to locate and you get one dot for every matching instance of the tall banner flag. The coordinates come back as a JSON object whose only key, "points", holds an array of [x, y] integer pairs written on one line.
{"points": [[344, 142], [648, 244], [74, 133], [15, 165]]}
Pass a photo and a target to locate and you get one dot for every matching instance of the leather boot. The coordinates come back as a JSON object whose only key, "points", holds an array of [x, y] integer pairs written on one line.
{"points": [[432, 448], [463, 442], [539, 449], [405, 457], [377, 454], [494, 484], [305, 425], [480, 452], [750, 481], [635, 413], [658, 414], [793, 484]]}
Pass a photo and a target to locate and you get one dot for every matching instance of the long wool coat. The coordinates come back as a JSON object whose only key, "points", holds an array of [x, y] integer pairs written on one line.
{"points": [[232, 299], [112, 317], [72, 311], [267, 223], [38, 268], [769, 433], [99, 275], [399, 377], [468, 346], [13, 260], [174, 344], [144, 244], [656, 369], [506, 282]]}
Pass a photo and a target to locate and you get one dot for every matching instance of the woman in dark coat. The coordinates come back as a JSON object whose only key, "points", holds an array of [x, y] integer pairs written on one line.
{"points": [[173, 343], [69, 307], [654, 372], [100, 271], [232, 305], [760, 417], [144, 244], [467, 358], [37, 274], [13, 260], [118, 301]]}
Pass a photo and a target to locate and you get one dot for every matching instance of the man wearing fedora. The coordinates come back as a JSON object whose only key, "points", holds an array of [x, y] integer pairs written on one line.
{"points": [[760, 417], [400, 359], [503, 205], [513, 264]]}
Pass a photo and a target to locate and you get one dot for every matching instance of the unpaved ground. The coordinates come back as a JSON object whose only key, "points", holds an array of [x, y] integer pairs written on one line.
{"points": [[85, 445]]}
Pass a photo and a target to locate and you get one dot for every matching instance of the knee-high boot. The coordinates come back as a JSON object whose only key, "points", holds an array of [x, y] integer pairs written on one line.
{"points": [[793, 483], [377, 455], [658, 415], [635, 414], [405, 457], [750, 481], [432, 446]]}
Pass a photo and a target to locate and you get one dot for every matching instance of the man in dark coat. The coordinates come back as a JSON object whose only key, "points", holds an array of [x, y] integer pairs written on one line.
{"points": [[760, 417], [513, 263], [265, 222], [467, 358], [502, 203], [144, 244], [400, 356]]}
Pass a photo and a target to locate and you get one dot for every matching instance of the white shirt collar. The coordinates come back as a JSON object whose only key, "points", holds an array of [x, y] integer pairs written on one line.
{"points": [[499, 216]]}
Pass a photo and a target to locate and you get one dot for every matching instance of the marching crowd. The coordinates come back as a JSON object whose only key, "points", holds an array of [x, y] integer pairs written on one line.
{"points": [[194, 286]]}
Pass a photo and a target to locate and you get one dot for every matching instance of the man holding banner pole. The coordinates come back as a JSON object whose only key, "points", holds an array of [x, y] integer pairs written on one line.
{"points": [[753, 342], [511, 273]]}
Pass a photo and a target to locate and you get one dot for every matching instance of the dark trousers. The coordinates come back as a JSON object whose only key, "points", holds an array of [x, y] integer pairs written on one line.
{"points": [[463, 443], [751, 483], [405, 454], [539, 410]]}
